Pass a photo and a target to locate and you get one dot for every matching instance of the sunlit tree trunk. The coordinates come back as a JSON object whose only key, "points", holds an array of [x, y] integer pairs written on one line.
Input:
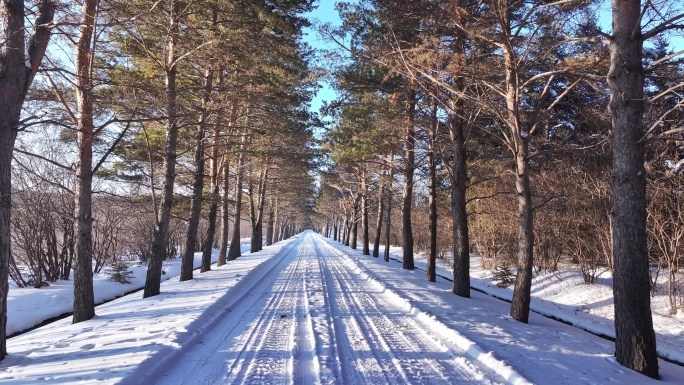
{"points": [[234, 250], [225, 215], [635, 342], [187, 263], [84, 301], [161, 231]]}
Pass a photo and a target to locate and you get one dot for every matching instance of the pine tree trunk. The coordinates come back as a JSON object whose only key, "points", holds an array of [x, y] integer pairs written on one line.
{"points": [[225, 217], [213, 207], [635, 343], [161, 231], [388, 220], [257, 212], [211, 231], [14, 84], [84, 301], [355, 224], [407, 197], [364, 214], [234, 250], [520, 304], [187, 262], [431, 274], [459, 216], [378, 223], [269, 226]]}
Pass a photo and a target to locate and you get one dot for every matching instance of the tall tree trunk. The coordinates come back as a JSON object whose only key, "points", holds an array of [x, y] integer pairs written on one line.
{"points": [[459, 216], [355, 224], [409, 168], [269, 226], [388, 220], [347, 229], [17, 77], [161, 231], [459, 213], [364, 214], [431, 274], [635, 343], [257, 211], [234, 250], [520, 304], [335, 230], [188, 260], [84, 301], [225, 216], [213, 208], [276, 222], [378, 223]]}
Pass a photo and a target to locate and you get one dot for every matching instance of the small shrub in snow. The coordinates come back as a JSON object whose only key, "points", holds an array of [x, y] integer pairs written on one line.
{"points": [[503, 276], [119, 272]]}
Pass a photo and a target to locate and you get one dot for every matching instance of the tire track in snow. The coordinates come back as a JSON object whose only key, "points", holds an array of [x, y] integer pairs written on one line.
{"points": [[401, 349], [266, 353], [216, 351]]}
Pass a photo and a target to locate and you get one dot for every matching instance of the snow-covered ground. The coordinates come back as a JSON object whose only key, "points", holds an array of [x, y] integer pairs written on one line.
{"points": [[29, 307], [310, 311], [564, 296]]}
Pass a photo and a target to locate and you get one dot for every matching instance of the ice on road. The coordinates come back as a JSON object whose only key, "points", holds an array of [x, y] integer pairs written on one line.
{"points": [[316, 319]]}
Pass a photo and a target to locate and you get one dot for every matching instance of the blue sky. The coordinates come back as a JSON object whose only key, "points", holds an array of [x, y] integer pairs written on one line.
{"points": [[324, 13]]}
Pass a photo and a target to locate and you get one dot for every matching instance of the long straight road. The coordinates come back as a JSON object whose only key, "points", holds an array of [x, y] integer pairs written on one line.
{"points": [[316, 318]]}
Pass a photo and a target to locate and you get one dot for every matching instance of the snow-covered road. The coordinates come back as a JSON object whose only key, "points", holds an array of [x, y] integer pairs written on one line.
{"points": [[311, 311], [315, 318]]}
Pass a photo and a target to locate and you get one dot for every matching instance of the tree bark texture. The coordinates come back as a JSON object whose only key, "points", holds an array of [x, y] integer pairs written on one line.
{"points": [[520, 304], [431, 274], [213, 206], [269, 226], [409, 168], [388, 220], [459, 215], [18, 66], [364, 214], [355, 224], [257, 212], [234, 250], [161, 231], [187, 262], [225, 216], [635, 343], [84, 301], [378, 223]]}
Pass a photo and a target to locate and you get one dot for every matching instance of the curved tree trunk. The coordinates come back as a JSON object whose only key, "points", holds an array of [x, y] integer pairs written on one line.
{"points": [[84, 299], [635, 342]]}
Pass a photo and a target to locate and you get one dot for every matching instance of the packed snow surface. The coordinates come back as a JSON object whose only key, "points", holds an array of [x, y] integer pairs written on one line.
{"points": [[309, 311]]}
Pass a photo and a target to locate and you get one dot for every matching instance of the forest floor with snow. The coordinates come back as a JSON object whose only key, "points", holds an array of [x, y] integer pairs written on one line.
{"points": [[331, 315]]}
